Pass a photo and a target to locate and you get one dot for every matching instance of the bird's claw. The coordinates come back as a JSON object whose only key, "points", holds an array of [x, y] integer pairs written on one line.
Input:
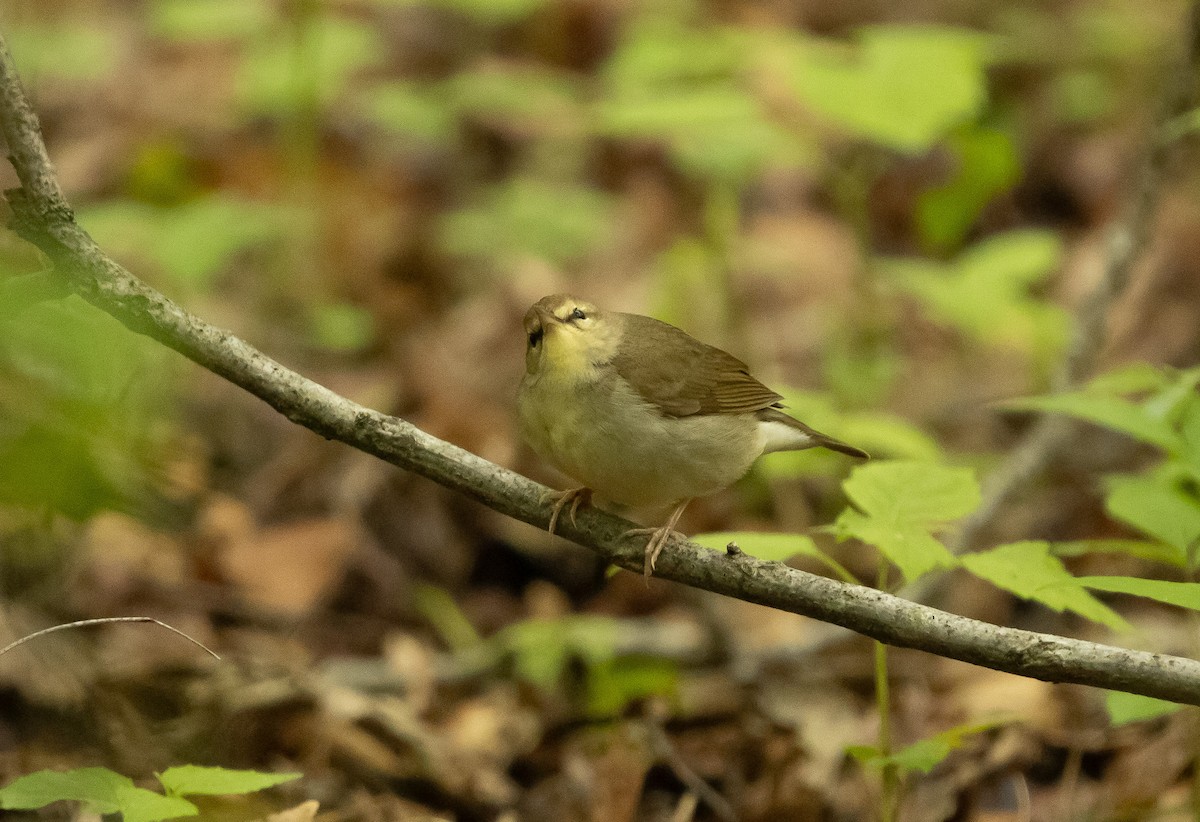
{"points": [[575, 496], [659, 537]]}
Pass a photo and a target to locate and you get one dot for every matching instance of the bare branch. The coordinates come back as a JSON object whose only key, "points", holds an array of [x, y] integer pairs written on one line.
{"points": [[41, 217]]}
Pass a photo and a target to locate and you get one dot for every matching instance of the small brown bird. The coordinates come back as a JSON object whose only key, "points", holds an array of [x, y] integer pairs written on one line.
{"points": [[643, 413]]}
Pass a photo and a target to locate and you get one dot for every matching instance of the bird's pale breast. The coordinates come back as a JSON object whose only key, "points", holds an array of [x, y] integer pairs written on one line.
{"points": [[605, 436]]}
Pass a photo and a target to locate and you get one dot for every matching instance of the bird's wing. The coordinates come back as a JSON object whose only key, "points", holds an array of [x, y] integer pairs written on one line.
{"points": [[685, 376]]}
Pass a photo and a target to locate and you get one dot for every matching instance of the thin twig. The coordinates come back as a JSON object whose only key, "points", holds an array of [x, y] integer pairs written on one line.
{"points": [[1047, 439], [48, 223], [664, 749], [86, 623]]}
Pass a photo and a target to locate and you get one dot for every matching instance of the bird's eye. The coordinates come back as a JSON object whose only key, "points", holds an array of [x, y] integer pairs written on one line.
{"points": [[535, 337], [577, 314]]}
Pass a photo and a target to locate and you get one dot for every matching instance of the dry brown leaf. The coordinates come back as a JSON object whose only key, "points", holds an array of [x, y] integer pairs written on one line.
{"points": [[304, 812], [288, 568]]}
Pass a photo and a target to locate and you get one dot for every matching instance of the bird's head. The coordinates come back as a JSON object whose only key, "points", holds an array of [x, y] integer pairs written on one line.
{"points": [[568, 337]]}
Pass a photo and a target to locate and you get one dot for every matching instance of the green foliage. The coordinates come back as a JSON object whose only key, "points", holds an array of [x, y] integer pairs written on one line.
{"points": [[528, 99], [1165, 411], [986, 164], [194, 780], [690, 88], [1028, 570], [921, 756], [411, 111], [292, 71], [1085, 96], [106, 792], [876, 432], [192, 243], [1161, 503], [1125, 708], [486, 12], [65, 52], [342, 326], [100, 789], [1181, 594], [203, 20], [1140, 549], [903, 87], [444, 615], [524, 216], [613, 684], [1159, 407], [986, 292], [80, 398], [541, 649], [898, 504], [524, 99]]}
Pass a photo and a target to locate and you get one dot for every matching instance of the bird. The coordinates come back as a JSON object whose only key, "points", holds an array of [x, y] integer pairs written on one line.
{"points": [[643, 413]]}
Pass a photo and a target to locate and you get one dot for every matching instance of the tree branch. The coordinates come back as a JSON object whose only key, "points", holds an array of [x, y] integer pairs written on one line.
{"points": [[42, 217]]}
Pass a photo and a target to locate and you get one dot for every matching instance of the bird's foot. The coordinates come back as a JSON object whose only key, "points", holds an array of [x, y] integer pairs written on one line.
{"points": [[659, 537], [574, 496]]}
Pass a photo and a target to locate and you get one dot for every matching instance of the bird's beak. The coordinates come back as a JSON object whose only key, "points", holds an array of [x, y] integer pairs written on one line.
{"points": [[544, 316]]}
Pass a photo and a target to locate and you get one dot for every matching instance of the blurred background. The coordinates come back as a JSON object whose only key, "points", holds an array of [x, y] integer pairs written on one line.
{"points": [[890, 209]]}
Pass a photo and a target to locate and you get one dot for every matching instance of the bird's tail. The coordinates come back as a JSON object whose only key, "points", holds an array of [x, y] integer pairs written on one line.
{"points": [[799, 436]]}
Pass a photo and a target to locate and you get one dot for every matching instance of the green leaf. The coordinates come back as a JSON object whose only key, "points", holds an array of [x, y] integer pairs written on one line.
{"points": [[1028, 570], [82, 404], [910, 546], [900, 503], [923, 755], [207, 20], [101, 789], [487, 12], [1168, 417], [70, 52], [683, 112], [1112, 412], [542, 648], [1156, 504], [342, 326], [613, 684], [523, 97], [911, 491], [658, 57], [192, 242], [194, 779], [902, 86], [1124, 708], [1134, 378], [986, 292], [689, 88], [1138, 549], [878, 433], [1181, 594], [285, 74], [526, 216], [987, 165], [445, 617], [410, 110], [1189, 431]]}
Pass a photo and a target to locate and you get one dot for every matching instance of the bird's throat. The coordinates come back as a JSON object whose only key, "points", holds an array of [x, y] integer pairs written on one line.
{"points": [[570, 357]]}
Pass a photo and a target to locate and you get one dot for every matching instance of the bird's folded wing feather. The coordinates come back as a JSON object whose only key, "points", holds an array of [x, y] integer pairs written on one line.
{"points": [[685, 376]]}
